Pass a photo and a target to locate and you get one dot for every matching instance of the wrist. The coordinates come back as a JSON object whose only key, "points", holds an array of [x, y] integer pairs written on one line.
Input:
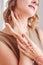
{"points": [[24, 60], [39, 59]]}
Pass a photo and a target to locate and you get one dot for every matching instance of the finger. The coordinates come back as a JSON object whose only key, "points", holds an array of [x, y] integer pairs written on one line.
{"points": [[13, 17], [8, 25], [15, 33], [27, 37], [15, 21], [21, 45], [30, 47], [20, 38], [25, 43], [17, 36], [17, 16], [26, 49], [29, 40], [11, 31], [10, 28], [25, 53]]}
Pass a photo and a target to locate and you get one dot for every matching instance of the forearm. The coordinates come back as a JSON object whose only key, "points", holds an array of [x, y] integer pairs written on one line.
{"points": [[38, 55], [39, 59], [24, 60]]}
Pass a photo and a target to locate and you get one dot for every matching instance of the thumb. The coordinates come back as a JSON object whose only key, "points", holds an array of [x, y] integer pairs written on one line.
{"points": [[9, 27]]}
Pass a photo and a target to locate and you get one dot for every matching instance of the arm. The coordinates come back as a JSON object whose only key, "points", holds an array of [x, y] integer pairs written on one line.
{"points": [[35, 52], [31, 49], [25, 60], [39, 60], [6, 55]]}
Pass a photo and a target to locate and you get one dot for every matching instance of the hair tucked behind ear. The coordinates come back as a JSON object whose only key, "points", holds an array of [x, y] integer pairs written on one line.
{"points": [[7, 12], [32, 21]]}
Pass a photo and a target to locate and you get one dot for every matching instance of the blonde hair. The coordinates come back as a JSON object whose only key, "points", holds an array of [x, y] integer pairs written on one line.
{"points": [[7, 14], [32, 21]]}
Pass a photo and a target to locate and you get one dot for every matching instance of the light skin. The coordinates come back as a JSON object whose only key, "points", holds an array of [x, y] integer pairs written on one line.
{"points": [[22, 13], [25, 11], [25, 7]]}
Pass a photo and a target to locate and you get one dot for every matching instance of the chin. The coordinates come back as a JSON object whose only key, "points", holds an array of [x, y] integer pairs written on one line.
{"points": [[31, 14]]}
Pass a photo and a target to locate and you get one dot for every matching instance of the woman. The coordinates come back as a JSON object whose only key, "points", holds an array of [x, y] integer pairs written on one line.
{"points": [[21, 41]]}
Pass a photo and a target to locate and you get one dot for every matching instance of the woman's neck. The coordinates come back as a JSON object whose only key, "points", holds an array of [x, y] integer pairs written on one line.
{"points": [[21, 16], [21, 19]]}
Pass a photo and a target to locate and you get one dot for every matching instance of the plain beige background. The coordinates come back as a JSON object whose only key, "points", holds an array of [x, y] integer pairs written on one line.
{"points": [[3, 6]]}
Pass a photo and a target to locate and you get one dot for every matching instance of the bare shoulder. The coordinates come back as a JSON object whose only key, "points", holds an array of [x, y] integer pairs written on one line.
{"points": [[6, 55]]}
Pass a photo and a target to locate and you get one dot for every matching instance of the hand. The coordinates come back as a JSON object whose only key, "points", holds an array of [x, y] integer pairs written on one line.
{"points": [[26, 46], [17, 23], [30, 45], [22, 43]]}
